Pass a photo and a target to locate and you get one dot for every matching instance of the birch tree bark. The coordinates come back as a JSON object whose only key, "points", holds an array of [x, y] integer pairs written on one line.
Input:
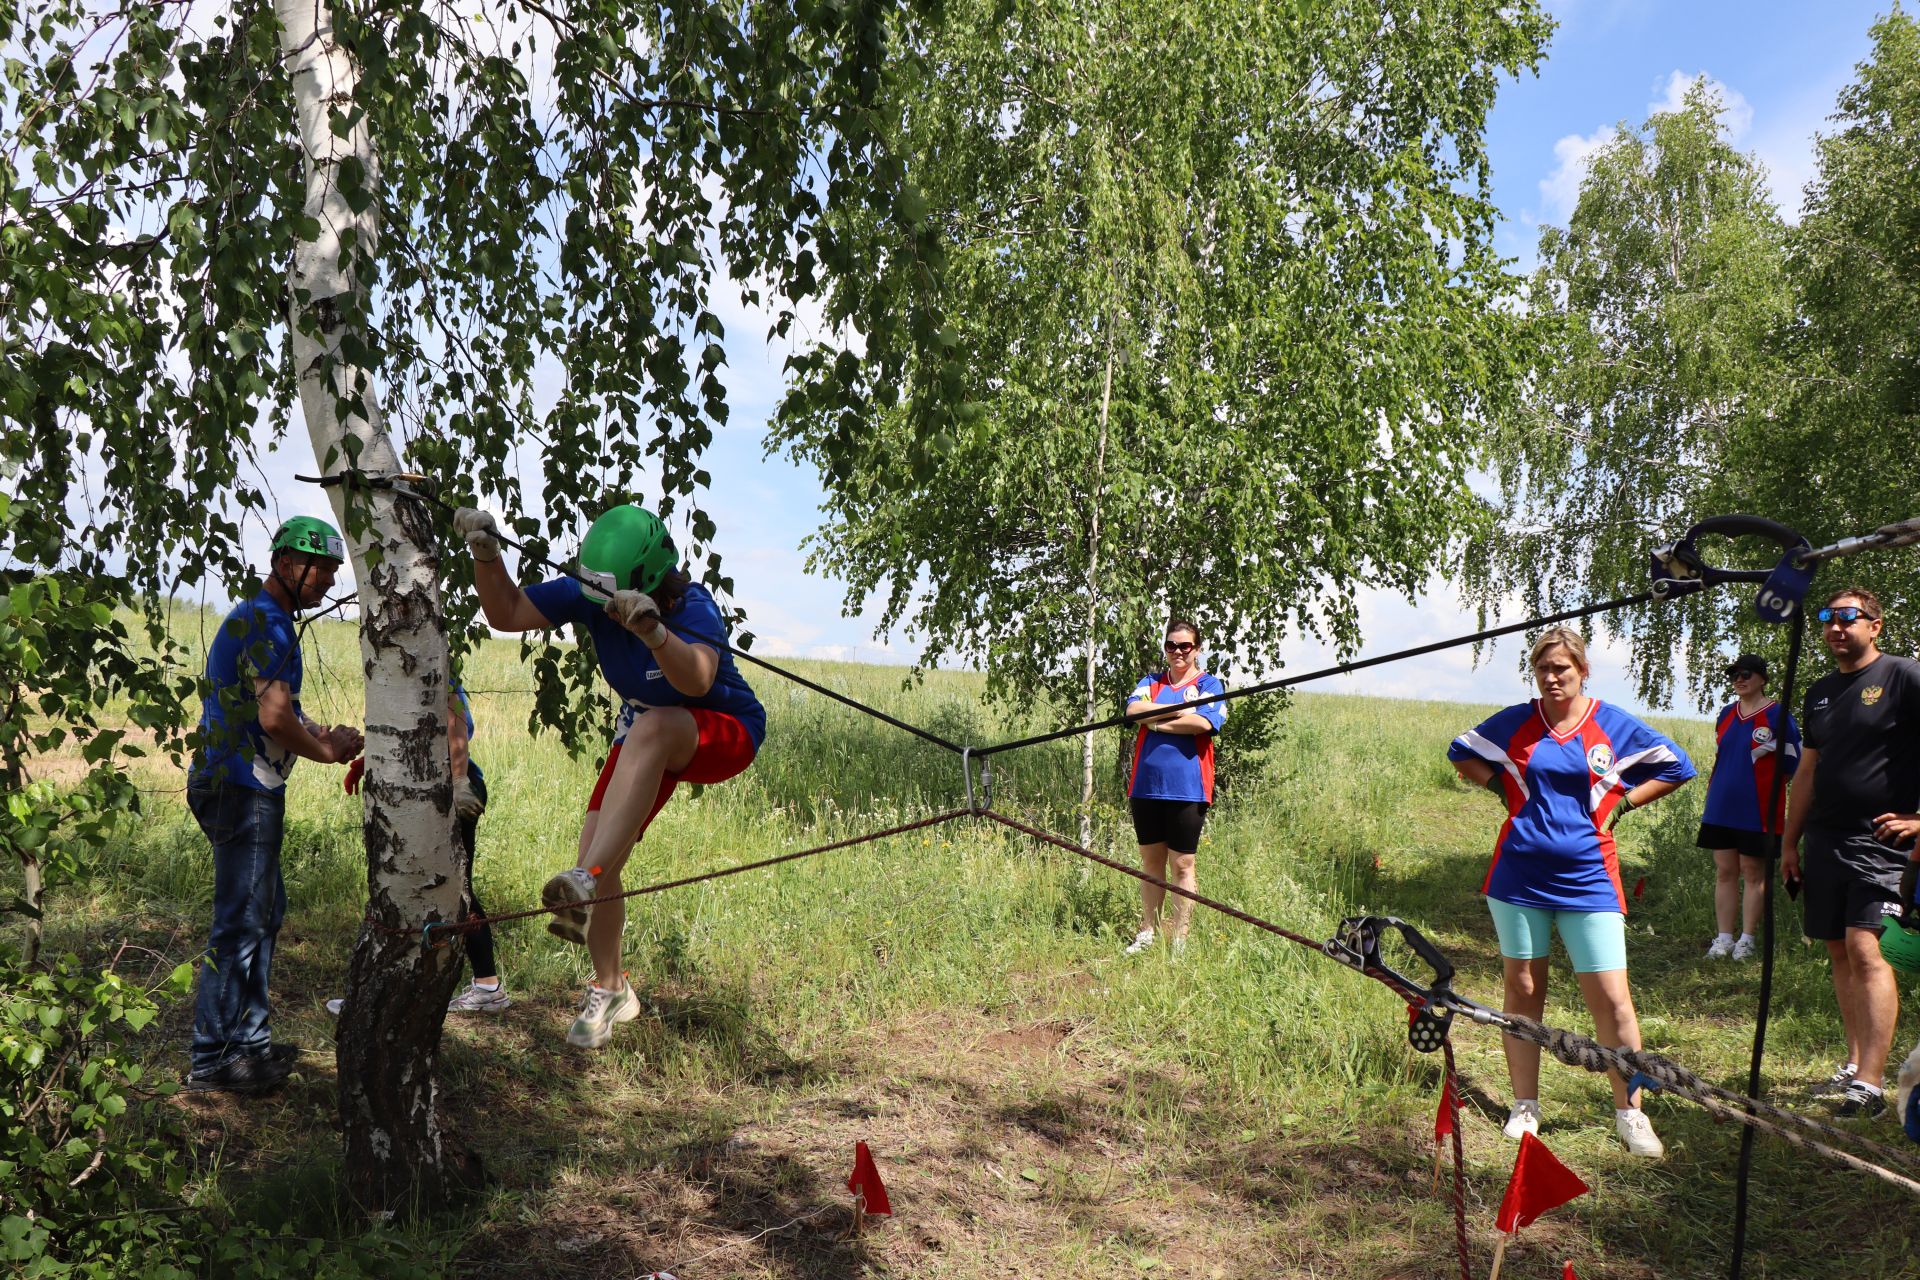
{"points": [[1093, 605], [397, 990]]}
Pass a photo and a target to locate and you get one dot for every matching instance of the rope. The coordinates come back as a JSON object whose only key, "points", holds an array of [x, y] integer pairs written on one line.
{"points": [[1452, 1092], [1338, 669]]}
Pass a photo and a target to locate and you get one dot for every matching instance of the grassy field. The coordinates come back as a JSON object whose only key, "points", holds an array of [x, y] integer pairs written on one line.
{"points": [[1040, 1105]]}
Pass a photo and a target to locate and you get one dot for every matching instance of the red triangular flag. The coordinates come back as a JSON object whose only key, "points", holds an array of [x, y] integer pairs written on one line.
{"points": [[1567, 1274], [1539, 1183], [1639, 888], [865, 1180], [1443, 1118]]}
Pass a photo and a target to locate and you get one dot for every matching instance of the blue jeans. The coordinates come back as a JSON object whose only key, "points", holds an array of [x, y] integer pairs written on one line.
{"points": [[231, 1012]]}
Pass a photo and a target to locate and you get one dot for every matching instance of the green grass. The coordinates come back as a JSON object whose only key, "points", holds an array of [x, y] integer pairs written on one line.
{"points": [[957, 996]]}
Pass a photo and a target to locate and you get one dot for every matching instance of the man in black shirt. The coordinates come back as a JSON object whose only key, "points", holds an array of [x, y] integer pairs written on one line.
{"points": [[1858, 782]]}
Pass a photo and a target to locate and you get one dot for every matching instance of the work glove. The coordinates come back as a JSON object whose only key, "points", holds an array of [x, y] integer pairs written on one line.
{"points": [[636, 611], [466, 801], [347, 741], [481, 533], [1625, 807]]}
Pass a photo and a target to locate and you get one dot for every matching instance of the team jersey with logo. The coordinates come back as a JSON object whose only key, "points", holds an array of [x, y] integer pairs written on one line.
{"points": [[1754, 750], [1176, 766], [1554, 850], [256, 641], [628, 664]]}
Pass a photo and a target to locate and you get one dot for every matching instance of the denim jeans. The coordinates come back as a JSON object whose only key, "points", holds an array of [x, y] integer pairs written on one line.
{"points": [[231, 1012]]}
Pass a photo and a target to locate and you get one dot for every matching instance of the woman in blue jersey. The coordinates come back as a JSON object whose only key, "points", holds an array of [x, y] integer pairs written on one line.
{"points": [[1567, 766], [1757, 738], [1172, 780], [686, 714]]}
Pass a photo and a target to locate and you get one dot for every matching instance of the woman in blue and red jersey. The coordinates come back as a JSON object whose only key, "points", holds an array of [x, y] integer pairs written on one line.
{"points": [[1757, 738], [1567, 767], [1171, 783]]}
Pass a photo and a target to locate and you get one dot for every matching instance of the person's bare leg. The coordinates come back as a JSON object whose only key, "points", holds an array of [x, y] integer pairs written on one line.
{"points": [[1615, 1024], [1876, 1003], [661, 741], [1753, 875], [1726, 887], [1153, 861], [1842, 969], [1526, 995], [1181, 911]]}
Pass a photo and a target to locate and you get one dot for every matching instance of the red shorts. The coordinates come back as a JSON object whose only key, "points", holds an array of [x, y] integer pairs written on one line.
{"points": [[726, 749]]}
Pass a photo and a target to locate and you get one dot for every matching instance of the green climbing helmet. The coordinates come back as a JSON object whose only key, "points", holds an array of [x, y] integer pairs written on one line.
{"points": [[1900, 945], [628, 548], [314, 536]]}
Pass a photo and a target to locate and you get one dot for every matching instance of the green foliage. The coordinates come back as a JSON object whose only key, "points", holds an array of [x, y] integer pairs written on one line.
{"points": [[1698, 356], [1217, 349]]}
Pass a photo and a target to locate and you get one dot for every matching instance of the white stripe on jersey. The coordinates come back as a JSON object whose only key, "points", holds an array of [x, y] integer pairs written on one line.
{"points": [[1484, 748], [1656, 754]]}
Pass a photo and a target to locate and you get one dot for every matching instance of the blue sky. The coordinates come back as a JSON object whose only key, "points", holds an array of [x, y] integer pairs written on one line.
{"points": [[1780, 66]]}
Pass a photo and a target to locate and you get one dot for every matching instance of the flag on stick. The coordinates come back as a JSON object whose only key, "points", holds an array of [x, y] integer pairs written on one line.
{"points": [[1567, 1273], [869, 1193], [1639, 888], [1539, 1183], [1442, 1126]]}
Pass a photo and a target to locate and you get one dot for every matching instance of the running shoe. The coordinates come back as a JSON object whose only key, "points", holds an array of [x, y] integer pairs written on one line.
{"points": [[1141, 941], [594, 1026], [1836, 1083], [335, 1005], [1636, 1131], [479, 999], [563, 895], [1862, 1102], [244, 1073], [1524, 1118], [1721, 949], [1745, 949]]}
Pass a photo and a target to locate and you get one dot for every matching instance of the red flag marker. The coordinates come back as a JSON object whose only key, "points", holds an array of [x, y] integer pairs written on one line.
{"points": [[870, 1194], [1639, 888], [1567, 1273], [1442, 1127], [1539, 1183]]}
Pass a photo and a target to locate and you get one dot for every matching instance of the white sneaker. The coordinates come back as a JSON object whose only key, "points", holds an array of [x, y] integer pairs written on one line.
{"points": [[1637, 1132], [1745, 949], [1721, 949], [335, 1005], [594, 1026], [1524, 1118], [1141, 941], [563, 893], [479, 999]]}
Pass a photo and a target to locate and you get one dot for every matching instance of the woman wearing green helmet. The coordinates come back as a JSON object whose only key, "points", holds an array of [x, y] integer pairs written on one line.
{"points": [[686, 714]]}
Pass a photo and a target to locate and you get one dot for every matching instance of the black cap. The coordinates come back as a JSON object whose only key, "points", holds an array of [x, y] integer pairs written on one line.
{"points": [[1748, 662]]}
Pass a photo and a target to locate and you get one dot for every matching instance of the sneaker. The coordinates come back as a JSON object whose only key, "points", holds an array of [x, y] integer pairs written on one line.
{"points": [[479, 999], [1141, 941], [1524, 1118], [1862, 1102], [1745, 949], [1721, 949], [335, 1005], [246, 1074], [1835, 1083], [563, 894], [594, 1026], [1637, 1132], [287, 1053]]}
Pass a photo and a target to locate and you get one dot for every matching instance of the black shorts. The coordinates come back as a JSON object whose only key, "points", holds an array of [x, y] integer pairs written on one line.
{"points": [[1848, 882], [1748, 844], [1174, 823]]}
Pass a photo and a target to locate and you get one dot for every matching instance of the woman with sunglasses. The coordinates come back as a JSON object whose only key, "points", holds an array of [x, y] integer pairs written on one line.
{"points": [[1171, 784], [1757, 739]]}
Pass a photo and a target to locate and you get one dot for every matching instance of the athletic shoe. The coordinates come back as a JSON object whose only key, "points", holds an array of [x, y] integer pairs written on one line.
{"points": [[287, 1053], [1524, 1118], [335, 1005], [1637, 1132], [1721, 949], [1836, 1083], [1862, 1102], [479, 999], [562, 895], [594, 1026], [1745, 949], [1141, 941], [245, 1074]]}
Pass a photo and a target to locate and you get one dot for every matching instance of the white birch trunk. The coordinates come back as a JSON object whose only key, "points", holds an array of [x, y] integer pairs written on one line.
{"points": [[396, 990], [1093, 609]]}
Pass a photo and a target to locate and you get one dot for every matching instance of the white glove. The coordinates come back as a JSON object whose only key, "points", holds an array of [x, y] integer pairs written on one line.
{"points": [[466, 801], [636, 611], [479, 530]]}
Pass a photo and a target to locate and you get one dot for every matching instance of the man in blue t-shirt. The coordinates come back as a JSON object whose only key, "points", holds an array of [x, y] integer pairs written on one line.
{"points": [[251, 731], [686, 714]]}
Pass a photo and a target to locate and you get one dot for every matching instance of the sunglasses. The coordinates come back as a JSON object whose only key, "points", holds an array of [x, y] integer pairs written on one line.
{"points": [[1178, 646], [1743, 675], [1845, 615]]}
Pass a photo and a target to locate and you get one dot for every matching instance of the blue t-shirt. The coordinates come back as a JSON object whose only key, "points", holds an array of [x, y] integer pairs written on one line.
{"points": [[1175, 766], [256, 641], [628, 664], [466, 709], [1554, 850], [1752, 749]]}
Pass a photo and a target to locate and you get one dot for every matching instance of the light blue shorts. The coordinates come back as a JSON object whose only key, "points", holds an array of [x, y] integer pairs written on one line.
{"points": [[1596, 941]]}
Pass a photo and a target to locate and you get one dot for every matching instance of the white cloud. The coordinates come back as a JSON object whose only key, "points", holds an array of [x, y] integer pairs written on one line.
{"points": [[1560, 190], [1736, 113]]}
